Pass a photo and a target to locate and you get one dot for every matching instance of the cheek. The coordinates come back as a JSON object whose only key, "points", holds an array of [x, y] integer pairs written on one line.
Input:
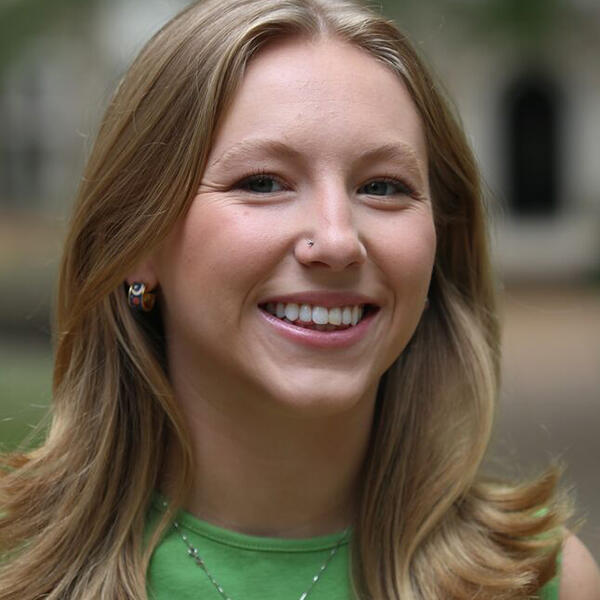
{"points": [[217, 250], [409, 256], [408, 250]]}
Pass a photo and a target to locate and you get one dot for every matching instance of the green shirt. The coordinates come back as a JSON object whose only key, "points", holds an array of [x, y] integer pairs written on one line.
{"points": [[251, 567]]}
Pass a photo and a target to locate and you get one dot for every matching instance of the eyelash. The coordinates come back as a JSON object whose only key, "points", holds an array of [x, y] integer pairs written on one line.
{"points": [[258, 174], [262, 173], [408, 189]]}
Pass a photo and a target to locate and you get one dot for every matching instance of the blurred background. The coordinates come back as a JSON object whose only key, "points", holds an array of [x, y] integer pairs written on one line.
{"points": [[525, 78]]}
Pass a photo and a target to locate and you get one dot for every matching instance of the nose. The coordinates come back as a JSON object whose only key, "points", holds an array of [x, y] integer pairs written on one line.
{"points": [[331, 236]]}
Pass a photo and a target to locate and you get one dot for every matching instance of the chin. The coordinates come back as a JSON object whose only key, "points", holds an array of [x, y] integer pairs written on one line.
{"points": [[322, 397]]}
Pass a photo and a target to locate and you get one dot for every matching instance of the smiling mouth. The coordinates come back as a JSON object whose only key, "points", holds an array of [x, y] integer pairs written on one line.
{"points": [[319, 318]]}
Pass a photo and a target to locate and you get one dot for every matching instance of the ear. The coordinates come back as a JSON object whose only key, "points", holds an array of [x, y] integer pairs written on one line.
{"points": [[144, 272]]}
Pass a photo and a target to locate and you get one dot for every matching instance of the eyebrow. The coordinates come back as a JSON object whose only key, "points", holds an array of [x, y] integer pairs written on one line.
{"points": [[396, 152], [393, 151], [265, 147]]}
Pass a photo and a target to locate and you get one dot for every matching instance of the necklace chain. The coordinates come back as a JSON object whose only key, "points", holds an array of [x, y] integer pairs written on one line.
{"points": [[194, 554]]}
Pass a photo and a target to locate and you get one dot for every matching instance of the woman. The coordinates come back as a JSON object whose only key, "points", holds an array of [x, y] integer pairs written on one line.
{"points": [[315, 386]]}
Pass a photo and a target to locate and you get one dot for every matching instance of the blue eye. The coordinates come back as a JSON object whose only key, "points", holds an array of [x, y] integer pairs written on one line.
{"points": [[385, 187], [261, 184]]}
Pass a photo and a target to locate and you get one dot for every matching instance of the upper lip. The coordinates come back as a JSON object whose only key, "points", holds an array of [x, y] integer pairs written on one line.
{"points": [[322, 298]]}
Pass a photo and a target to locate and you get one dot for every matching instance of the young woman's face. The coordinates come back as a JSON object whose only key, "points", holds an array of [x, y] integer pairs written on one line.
{"points": [[314, 201]]}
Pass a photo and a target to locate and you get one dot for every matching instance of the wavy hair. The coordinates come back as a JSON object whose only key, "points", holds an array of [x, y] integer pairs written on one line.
{"points": [[429, 526]]}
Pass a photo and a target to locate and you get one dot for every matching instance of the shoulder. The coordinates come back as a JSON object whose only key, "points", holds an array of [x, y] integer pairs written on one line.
{"points": [[580, 577]]}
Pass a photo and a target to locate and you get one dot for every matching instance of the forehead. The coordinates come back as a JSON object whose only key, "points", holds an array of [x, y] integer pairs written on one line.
{"points": [[325, 94]]}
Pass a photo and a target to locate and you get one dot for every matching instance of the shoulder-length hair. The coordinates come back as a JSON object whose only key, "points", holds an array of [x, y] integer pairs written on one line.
{"points": [[428, 527]]}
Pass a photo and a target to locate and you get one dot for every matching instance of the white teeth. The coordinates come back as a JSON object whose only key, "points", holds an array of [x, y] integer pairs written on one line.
{"points": [[280, 310], [291, 311], [320, 315], [305, 313], [347, 315], [335, 316]]}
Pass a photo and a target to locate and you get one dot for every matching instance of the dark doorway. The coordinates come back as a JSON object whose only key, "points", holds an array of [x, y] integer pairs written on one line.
{"points": [[532, 109]]}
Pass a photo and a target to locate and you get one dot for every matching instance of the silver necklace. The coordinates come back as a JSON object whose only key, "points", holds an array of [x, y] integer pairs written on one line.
{"points": [[194, 554]]}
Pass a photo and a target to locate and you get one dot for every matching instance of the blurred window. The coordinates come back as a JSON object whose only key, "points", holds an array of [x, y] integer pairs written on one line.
{"points": [[21, 143]]}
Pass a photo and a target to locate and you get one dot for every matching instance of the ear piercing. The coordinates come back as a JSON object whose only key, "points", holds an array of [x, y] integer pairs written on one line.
{"points": [[139, 299]]}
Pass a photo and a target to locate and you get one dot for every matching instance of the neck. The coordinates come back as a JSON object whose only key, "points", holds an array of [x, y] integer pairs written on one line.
{"points": [[271, 473]]}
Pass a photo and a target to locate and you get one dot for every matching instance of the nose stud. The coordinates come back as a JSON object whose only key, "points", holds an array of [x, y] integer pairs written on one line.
{"points": [[310, 243]]}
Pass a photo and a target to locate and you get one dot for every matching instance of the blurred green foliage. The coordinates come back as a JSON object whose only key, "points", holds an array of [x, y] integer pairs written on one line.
{"points": [[25, 391], [21, 21], [529, 22], [526, 23]]}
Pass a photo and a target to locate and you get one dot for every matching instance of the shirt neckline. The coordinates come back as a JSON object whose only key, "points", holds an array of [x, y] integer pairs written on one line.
{"points": [[235, 539]]}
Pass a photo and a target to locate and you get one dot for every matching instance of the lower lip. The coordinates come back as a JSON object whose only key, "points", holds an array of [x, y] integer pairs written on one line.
{"points": [[314, 338]]}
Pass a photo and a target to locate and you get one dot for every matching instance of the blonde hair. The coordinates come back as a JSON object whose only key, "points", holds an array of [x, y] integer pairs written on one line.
{"points": [[74, 510]]}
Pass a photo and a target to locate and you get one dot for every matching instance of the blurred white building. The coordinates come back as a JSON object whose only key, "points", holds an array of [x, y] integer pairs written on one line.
{"points": [[531, 107]]}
